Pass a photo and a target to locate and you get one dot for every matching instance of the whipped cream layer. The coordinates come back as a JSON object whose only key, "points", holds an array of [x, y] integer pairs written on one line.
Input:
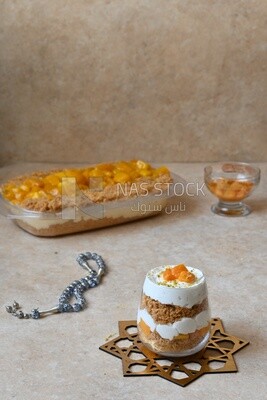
{"points": [[177, 293], [183, 326]]}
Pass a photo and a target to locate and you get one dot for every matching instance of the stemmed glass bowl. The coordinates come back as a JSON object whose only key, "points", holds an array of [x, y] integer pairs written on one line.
{"points": [[231, 183]]}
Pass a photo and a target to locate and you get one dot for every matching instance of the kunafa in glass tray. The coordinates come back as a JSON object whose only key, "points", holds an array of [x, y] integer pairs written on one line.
{"points": [[63, 201]]}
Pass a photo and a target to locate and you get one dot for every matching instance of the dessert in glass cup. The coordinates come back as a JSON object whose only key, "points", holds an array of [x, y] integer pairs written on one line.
{"points": [[174, 317]]}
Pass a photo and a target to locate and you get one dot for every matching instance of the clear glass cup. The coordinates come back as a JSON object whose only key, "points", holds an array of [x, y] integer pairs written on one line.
{"points": [[231, 183], [174, 317]]}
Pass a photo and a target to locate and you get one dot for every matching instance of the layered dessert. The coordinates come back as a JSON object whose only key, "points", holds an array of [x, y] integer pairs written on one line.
{"points": [[173, 317], [72, 200]]}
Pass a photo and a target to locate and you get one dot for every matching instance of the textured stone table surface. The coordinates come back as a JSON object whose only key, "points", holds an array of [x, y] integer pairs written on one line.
{"points": [[59, 358]]}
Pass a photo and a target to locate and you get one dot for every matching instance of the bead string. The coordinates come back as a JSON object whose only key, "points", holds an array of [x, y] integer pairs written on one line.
{"points": [[75, 289]]}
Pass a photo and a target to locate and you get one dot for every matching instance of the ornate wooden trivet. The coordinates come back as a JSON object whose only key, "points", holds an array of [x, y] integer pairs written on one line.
{"points": [[137, 360]]}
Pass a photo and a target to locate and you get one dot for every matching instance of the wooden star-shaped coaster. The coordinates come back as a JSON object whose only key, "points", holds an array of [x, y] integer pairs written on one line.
{"points": [[137, 360]]}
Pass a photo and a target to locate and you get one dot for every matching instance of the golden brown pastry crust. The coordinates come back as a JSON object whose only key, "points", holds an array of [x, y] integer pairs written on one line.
{"points": [[142, 186], [168, 313]]}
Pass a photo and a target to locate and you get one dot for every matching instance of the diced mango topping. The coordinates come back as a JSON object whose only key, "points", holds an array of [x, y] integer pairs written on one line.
{"points": [[144, 327], [180, 273], [230, 189], [178, 269], [187, 277], [49, 185]]}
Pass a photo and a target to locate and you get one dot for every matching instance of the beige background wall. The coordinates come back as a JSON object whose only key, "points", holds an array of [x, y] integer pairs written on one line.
{"points": [[164, 80]]}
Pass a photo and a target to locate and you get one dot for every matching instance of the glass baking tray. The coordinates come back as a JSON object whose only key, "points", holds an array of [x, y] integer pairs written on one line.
{"points": [[95, 215]]}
